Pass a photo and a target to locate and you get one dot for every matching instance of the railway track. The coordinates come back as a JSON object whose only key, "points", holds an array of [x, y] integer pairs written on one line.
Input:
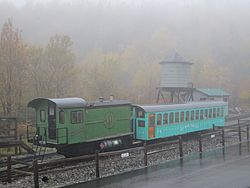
{"points": [[24, 163], [30, 158]]}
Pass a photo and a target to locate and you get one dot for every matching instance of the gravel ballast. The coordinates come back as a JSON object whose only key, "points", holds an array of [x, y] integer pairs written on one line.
{"points": [[115, 164]]}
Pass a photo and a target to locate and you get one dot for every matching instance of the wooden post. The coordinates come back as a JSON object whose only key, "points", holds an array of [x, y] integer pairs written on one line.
{"points": [[19, 148], [239, 130], [27, 132], [9, 169], [35, 171], [158, 96], [247, 132], [16, 149], [240, 151], [145, 154], [200, 145], [248, 138], [223, 142], [180, 147], [97, 172], [223, 137]]}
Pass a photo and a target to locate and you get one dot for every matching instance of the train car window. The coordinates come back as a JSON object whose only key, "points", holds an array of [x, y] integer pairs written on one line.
{"points": [[165, 119], [73, 117], [79, 116], [210, 113], [196, 114], [140, 114], [201, 114], [51, 110], [151, 118], [214, 112], [76, 117], [206, 114], [187, 115], [171, 118], [177, 117], [159, 119], [141, 123], [218, 112], [61, 117], [222, 112], [42, 115], [192, 115], [182, 116]]}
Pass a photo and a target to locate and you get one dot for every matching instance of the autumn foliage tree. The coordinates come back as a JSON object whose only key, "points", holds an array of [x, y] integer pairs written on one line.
{"points": [[12, 72], [52, 68], [60, 65]]}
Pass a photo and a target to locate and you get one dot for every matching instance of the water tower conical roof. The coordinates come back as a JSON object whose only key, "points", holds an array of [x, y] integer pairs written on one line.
{"points": [[175, 58]]}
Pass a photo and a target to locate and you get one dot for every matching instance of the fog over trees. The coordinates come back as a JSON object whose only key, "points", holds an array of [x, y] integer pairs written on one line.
{"points": [[91, 48]]}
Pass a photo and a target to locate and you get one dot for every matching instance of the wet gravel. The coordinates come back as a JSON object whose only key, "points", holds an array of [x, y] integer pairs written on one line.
{"points": [[117, 164]]}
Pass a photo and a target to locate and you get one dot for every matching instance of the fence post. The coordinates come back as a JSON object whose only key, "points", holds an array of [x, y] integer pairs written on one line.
{"points": [[16, 137], [27, 132], [9, 169], [239, 129], [19, 148], [200, 144], [180, 147], [97, 172], [247, 132], [223, 137], [35, 171], [145, 154], [248, 137]]}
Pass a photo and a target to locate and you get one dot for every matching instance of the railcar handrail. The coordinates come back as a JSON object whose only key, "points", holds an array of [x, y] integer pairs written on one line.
{"points": [[45, 130], [57, 137]]}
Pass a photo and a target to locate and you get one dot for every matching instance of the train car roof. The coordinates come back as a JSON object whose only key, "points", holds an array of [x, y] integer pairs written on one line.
{"points": [[61, 102], [107, 103], [190, 105]]}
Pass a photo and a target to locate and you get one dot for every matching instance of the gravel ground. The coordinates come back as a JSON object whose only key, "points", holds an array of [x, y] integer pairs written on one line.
{"points": [[116, 164]]}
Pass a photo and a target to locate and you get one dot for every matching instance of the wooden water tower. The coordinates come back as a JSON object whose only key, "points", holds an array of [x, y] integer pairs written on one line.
{"points": [[175, 83]]}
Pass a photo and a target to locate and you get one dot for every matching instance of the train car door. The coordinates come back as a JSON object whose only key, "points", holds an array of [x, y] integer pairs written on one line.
{"points": [[52, 121], [140, 125], [151, 126]]}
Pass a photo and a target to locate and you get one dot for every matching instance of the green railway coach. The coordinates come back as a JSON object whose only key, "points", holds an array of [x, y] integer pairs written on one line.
{"points": [[76, 127], [161, 121]]}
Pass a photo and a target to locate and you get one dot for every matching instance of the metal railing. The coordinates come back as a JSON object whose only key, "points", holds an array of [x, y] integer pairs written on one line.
{"points": [[44, 134]]}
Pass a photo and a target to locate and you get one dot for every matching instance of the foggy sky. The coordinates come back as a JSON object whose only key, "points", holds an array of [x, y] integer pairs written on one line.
{"points": [[189, 26]]}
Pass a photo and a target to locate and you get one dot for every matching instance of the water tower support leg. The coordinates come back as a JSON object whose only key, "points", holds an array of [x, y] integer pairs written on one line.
{"points": [[158, 96]]}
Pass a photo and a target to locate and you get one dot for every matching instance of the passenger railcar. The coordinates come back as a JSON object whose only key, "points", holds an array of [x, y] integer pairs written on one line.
{"points": [[76, 127], [160, 121]]}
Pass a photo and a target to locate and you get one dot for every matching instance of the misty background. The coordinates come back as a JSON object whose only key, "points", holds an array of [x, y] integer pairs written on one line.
{"points": [[114, 46]]}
